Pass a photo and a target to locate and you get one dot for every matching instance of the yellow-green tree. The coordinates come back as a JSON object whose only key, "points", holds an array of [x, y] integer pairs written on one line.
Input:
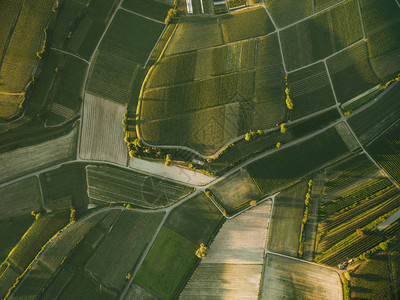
{"points": [[283, 128], [201, 252]]}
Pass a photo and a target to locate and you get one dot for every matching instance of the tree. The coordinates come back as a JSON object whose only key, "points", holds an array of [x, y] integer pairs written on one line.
{"points": [[72, 215], [208, 193], [347, 275], [383, 245], [128, 206], [129, 276], [201, 252], [283, 128], [278, 145], [289, 102], [168, 160], [253, 203], [247, 137], [359, 232]]}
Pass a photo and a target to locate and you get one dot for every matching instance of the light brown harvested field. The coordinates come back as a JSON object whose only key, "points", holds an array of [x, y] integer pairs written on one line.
{"points": [[28, 159], [286, 278], [20, 198], [241, 240], [223, 281], [102, 132], [236, 190], [195, 33]]}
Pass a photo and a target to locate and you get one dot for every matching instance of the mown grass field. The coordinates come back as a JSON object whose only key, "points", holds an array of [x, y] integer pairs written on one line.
{"points": [[122, 41], [20, 198], [170, 253], [15, 163], [371, 279], [246, 24], [351, 73], [121, 250], [373, 120], [321, 35], [196, 219], [88, 29], [310, 91], [20, 56], [152, 9], [235, 192], [112, 185], [289, 278], [286, 220], [382, 22], [102, 131], [386, 152], [287, 165]]}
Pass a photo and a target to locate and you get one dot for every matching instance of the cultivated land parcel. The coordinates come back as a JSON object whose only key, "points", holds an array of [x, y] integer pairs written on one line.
{"points": [[238, 149]]}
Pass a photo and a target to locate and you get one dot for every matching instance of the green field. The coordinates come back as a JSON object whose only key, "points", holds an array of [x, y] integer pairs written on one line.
{"points": [[235, 192], [112, 77], [353, 105], [64, 187], [89, 27], [269, 103], [351, 73], [196, 219], [386, 152], [20, 198], [378, 117], [321, 35], [11, 231], [310, 91], [121, 40], [195, 33], [287, 165], [121, 250], [171, 253], [20, 57], [287, 216], [382, 22], [371, 280], [246, 24], [150, 8], [109, 184]]}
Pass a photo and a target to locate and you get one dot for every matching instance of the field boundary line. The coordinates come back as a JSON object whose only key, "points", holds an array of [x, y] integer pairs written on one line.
{"points": [[69, 53], [135, 13], [361, 95], [361, 20], [152, 50], [41, 193], [269, 225]]}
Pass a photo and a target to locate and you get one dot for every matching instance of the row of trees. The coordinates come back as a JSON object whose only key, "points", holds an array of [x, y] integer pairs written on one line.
{"points": [[305, 218]]}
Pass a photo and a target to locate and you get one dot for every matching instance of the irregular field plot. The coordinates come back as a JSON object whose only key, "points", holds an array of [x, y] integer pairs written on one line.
{"points": [[241, 240], [371, 279], [11, 231], [322, 35], [29, 159], [102, 131], [350, 72], [286, 220], [20, 198], [121, 250], [150, 8], [195, 33], [285, 166], [236, 191], [310, 91], [170, 253], [125, 32], [223, 281], [290, 278], [196, 219], [117, 185], [386, 152], [246, 24], [370, 122]]}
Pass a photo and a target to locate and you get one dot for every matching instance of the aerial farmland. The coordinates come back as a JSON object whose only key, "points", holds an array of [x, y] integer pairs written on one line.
{"points": [[200, 149]]}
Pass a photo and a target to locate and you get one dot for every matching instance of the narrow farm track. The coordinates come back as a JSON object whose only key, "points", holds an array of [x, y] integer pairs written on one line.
{"points": [[135, 13], [68, 53]]}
